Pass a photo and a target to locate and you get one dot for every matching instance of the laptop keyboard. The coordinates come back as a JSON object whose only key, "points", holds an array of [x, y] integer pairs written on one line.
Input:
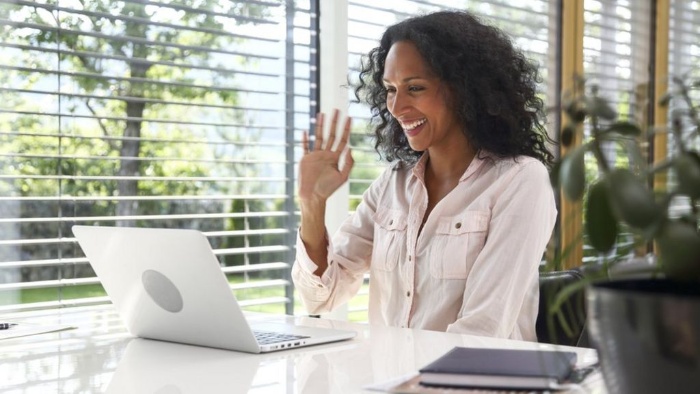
{"points": [[266, 337]]}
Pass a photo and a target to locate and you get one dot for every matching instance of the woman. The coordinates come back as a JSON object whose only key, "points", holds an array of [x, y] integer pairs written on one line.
{"points": [[453, 232]]}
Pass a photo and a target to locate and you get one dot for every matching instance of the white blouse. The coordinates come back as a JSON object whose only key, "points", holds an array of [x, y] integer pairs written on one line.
{"points": [[472, 269]]}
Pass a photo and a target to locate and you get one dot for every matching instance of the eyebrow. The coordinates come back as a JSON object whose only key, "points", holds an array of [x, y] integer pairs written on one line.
{"points": [[408, 79]]}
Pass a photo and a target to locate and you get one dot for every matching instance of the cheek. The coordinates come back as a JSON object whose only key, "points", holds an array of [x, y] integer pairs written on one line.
{"points": [[389, 102]]}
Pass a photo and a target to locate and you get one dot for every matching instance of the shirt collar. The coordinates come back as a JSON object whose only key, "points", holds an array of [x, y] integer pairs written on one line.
{"points": [[478, 160]]}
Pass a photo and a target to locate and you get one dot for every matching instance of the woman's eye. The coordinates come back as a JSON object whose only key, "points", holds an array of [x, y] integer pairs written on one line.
{"points": [[389, 89], [415, 88]]}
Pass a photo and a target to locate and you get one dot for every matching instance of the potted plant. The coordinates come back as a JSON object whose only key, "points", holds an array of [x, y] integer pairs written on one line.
{"points": [[646, 330]]}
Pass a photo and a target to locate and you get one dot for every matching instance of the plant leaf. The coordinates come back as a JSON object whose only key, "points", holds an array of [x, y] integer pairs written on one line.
{"points": [[688, 170], [631, 200], [679, 250], [575, 111], [625, 128], [567, 135], [598, 106], [572, 173], [662, 166], [665, 99], [601, 225]]}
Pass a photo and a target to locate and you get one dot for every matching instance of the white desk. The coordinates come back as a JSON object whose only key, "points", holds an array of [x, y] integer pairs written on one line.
{"points": [[99, 356]]}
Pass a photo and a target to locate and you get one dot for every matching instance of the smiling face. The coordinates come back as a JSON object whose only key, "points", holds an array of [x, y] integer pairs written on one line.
{"points": [[417, 99]]}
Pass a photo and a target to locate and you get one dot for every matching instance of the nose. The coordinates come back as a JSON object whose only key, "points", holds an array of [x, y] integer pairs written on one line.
{"points": [[397, 104]]}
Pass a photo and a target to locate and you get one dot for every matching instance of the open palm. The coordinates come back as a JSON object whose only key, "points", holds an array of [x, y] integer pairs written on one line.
{"points": [[319, 172]]}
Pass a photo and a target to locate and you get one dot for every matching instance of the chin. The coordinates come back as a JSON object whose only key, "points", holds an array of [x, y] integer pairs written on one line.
{"points": [[417, 146]]}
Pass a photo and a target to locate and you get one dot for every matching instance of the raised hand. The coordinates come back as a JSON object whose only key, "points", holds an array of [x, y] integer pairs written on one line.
{"points": [[319, 174]]}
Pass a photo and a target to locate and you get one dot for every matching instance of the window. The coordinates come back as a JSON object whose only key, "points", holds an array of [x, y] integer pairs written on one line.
{"points": [[168, 114], [616, 59], [684, 50], [150, 113], [683, 63]]}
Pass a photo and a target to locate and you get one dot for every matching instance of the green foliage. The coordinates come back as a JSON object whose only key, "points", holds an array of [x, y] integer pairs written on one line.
{"points": [[100, 48], [618, 196], [572, 173], [601, 225], [631, 199], [687, 167], [113, 74], [107, 55]]}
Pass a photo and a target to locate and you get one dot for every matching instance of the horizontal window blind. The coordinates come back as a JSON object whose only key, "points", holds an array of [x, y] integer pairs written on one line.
{"points": [[528, 23], [616, 52], [616, 59], [684, 55], [683, 63], [153, 114]]}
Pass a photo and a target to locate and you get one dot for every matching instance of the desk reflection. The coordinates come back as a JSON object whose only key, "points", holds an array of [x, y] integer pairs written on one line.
{"points": [[150, 366], [385, 355], [157, 367]]}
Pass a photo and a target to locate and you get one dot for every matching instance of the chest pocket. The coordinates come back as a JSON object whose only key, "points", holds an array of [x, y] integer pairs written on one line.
{"points": [[389, 239], [457, 243]]}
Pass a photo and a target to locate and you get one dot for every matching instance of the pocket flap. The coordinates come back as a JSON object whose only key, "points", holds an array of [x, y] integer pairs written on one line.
{"points": [[390, 219], [467, 222]]}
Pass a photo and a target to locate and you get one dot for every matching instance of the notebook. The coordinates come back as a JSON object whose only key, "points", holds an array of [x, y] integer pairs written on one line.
{"points": [[519, 369], [167, 284]]}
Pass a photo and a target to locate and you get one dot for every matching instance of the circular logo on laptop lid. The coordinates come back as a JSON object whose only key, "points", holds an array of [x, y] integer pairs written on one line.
{"points": [[162, 291]]}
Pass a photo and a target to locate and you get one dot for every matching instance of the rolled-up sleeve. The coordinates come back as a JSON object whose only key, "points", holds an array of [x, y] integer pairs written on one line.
{"points": [[349, 258]]}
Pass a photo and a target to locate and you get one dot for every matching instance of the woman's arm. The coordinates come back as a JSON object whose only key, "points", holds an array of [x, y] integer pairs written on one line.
{"points": [[319, 177], [348, 256]]}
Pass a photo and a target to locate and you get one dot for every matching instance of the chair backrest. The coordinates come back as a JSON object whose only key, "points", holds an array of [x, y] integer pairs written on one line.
{"points": [[549, 328]]}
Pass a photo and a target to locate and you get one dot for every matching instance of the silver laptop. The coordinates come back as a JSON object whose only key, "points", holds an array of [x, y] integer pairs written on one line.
{"points": [[167, 284]]}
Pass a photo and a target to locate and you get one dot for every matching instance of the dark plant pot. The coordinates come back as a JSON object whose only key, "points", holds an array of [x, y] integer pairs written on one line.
{"points": [[647, 333]]}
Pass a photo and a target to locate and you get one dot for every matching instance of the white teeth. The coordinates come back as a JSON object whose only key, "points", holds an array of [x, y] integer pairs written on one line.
{"points": [[413, 125]]}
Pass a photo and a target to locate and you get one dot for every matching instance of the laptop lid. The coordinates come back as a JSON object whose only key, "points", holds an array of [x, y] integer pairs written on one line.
{"points": [[167, 284]]}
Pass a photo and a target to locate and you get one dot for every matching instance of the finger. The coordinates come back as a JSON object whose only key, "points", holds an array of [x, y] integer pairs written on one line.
{"points": [[331, 134], [305, 142], [347, 167], [345, 137], [318, 133]]}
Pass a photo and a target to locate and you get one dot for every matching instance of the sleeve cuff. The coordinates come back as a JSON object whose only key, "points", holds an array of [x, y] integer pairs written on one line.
{"points": [[309, 267]]}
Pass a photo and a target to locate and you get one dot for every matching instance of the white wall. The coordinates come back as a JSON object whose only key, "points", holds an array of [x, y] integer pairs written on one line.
{"points": [[334, 70]]}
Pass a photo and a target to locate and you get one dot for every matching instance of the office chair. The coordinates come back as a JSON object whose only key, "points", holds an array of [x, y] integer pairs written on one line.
{"points": [[573, 310]]}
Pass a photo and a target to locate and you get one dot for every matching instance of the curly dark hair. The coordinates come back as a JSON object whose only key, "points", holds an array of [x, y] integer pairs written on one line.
{"points": [[492, 84]]}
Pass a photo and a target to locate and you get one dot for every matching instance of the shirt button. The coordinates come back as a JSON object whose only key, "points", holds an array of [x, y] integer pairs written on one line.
{"points": [[408, 294], [391, 222], [409, 257], [458, 225]]}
